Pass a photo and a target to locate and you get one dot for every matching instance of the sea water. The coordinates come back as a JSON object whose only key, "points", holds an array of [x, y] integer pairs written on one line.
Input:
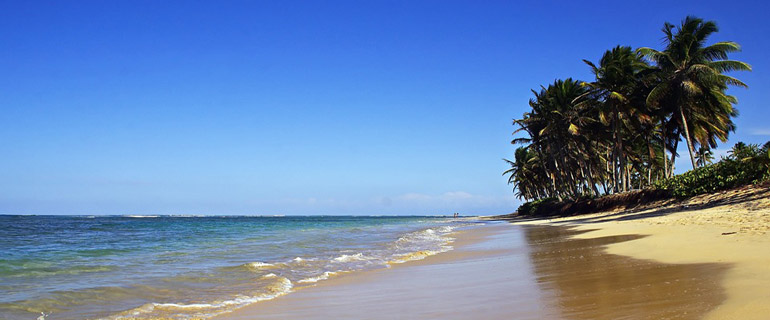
{"points": [[144, 267]]}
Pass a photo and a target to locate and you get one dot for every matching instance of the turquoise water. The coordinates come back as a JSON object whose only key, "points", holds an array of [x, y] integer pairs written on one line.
{"points": [[111, 267]]}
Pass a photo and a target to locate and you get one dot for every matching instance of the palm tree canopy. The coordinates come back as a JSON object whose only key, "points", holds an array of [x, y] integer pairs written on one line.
{"points": [[692, 81]]}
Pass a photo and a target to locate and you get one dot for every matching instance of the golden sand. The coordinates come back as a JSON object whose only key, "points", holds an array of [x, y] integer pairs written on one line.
{"points": [[730, 228]]}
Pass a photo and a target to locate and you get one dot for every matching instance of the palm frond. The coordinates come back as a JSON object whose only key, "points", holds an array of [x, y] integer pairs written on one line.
{"points": [[732, 81], [729, 65], [719, 50]]}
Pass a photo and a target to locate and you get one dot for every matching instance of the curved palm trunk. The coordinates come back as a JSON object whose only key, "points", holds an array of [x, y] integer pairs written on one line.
{"points": [[687, 136], [665, 155], [552, 178], [673, 159], [589, 177], [619, 153]]}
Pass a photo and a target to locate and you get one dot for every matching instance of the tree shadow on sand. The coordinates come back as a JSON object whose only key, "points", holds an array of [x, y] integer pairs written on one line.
{"points": [[588, 283]]}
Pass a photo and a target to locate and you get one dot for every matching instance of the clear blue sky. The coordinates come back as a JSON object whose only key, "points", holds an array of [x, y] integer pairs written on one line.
{"points": [[304, 107]]}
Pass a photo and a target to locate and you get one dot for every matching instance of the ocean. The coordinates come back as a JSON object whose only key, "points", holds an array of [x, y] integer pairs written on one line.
{"points": [[185, 267]]}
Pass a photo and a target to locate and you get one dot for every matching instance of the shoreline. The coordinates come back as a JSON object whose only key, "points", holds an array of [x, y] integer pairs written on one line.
{"points": [[511, 270], [469, 245]]}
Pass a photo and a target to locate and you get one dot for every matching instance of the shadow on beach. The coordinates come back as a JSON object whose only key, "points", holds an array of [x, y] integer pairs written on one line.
{"points": [[590, 284]]}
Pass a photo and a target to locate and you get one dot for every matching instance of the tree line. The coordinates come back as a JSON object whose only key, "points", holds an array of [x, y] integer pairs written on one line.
{"points": [[621, 130]]}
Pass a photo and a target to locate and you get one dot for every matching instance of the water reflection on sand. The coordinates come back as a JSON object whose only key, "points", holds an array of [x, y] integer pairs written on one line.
{"points": [[588, 283]]}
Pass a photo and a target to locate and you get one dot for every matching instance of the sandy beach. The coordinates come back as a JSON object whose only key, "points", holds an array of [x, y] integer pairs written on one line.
{"points": [[705, 258], [729, 228]]}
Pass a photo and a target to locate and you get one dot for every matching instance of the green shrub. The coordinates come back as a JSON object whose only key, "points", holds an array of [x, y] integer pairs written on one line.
{"points": [[551, 207], [726, 174], [531, 208]]}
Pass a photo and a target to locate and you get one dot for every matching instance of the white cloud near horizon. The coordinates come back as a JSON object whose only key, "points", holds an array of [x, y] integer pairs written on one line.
{"points": [[760, 132], [412, 203], [451, 201]]}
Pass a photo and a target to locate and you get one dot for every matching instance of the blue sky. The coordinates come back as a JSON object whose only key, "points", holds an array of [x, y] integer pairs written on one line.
{"points": [[301, 107]]}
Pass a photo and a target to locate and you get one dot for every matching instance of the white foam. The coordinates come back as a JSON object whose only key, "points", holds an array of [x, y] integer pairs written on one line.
{"points": [[283, 287], [408, 247], [354, 257], [421, 244], [260, 265], [324, 276]]}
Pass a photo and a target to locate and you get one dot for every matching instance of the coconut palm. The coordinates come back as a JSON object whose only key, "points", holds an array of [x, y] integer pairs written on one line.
{"points": [[617, 95], [525, 174], [704, 156], [557, 141], [617, 131], [741, 151], [693, 82]]}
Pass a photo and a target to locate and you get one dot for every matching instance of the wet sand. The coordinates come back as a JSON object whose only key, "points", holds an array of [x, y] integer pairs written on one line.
{"points": [[504, 271], [589, 283], [730, 228]]}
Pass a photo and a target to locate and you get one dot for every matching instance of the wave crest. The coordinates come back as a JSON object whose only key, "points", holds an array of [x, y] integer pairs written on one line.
{"points": [[155, 310]]}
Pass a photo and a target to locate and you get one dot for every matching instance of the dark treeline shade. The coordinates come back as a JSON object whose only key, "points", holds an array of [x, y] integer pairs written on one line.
{"points": [[621, 130]]}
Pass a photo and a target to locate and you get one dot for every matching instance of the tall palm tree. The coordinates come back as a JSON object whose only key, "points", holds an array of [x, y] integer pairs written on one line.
{"points": [[616, 94], [693, 81], [554, 137]]}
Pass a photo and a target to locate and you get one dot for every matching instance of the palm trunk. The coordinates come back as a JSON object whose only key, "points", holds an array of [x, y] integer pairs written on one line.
{"points": [[619, 153], [665, 155], [610, 166], [627, 171], [665, 161], [687, 135], [542, 163], [649, 176], [557, 186], [591, 180], [673, 159], [650, 161]]}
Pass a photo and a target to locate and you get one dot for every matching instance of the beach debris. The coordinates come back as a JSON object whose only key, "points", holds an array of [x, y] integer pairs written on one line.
{"points": [[42, 316], [728, 233]]}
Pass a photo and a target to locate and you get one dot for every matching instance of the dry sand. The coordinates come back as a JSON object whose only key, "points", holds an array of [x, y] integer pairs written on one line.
{"points": [[731, 228]]}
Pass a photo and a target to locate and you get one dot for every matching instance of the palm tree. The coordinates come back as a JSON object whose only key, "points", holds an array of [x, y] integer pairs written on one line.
{"points": [[692, 81], [555, 140], [752, 153], [525, 174], [741, 151], [616, 94], [618, 130], [704, 156]]}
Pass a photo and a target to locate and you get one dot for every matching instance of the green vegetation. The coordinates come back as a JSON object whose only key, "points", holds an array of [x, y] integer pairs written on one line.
{"points": [[553, 207], [537, 207], [747, 164], [619, 132]]}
